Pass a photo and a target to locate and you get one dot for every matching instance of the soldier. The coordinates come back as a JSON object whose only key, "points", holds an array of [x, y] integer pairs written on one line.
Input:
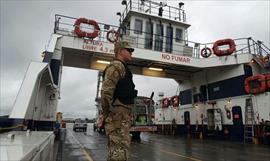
{"points": [[117, 98]]}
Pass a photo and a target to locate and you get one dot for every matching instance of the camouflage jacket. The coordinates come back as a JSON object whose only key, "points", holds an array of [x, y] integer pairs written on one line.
{"points": [[113, 73]]}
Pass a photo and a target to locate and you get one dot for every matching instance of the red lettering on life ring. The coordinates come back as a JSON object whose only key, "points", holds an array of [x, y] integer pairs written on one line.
{"points": [[229, 51], [206, 52], [112, 36], [81, 33], [255, 84]]}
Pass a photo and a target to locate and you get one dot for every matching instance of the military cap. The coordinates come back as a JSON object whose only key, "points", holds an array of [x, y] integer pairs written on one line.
{"points": [[123, 45]]}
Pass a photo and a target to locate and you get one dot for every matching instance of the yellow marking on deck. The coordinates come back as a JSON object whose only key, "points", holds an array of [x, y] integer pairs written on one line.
{"points": [[82, 147], [183, 156], [86, 154]]}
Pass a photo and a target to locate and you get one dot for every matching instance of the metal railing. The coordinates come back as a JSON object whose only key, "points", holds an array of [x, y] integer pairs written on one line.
{"points": [[65, 25], [154, 8]]}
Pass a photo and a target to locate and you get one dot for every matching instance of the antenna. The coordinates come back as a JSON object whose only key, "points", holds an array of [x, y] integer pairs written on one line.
{"points": [[181, 4]]}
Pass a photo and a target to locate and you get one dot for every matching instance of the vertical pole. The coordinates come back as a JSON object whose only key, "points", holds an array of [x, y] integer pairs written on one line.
{"points": [[248, 39], [169, 12], [150, 7]]}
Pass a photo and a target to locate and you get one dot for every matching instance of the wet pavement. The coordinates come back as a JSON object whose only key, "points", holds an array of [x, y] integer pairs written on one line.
{"points": [[91, 146]]}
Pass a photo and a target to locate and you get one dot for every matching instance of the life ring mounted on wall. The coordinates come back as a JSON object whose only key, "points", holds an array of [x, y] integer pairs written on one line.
{"points": [[175, 101], [217, 44], [255, 84], [165, 102], [112, 36], [206, 52], [80, 33]]}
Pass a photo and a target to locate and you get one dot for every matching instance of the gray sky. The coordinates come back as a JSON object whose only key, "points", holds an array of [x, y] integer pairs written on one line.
{"points": [[26, 27]]}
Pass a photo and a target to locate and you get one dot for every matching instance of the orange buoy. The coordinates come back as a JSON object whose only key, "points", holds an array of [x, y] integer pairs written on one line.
{"points": [[255, 84], [112, 36], [206, 52], [218, 52], [175, 101], [165, 102], [81, 33]]}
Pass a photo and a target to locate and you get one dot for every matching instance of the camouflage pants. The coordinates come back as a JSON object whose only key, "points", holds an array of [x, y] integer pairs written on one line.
{"points": [[117, 126]]}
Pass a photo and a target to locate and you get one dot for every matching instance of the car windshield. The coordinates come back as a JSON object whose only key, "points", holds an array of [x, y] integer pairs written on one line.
{"points": [[80, 121]]}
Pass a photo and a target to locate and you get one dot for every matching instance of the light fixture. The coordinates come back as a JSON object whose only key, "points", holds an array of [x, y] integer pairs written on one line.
{"points": [[156, 69], [103, 62]]}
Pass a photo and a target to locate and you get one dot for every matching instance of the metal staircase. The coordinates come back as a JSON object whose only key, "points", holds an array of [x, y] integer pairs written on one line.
{"points": [[249, 121]]}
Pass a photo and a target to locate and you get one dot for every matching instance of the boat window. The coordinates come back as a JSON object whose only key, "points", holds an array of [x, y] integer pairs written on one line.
{"points": [[178, 35], [148, 35], [128, 28], [159, 37], [216, 89], [138, 26], [185, 97], [169, 36]]}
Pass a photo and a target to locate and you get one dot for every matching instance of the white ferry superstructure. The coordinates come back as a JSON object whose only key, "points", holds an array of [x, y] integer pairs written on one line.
{"points": [[211, 76]]}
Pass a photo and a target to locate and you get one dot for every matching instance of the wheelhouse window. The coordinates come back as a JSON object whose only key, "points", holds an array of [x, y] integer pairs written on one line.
{"points": [[148, 35], [138, 26], [128, 28], [169, 38], [178, 35], [159, 37]]}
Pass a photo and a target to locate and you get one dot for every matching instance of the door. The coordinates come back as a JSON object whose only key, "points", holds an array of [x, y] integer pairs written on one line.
{"points": [[237, 115], [237, 128]]}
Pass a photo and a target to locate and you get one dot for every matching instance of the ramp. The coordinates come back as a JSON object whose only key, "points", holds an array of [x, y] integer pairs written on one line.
{"points": [[36, 99]]}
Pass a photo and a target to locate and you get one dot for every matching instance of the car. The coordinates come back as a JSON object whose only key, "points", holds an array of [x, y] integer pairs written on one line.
{"points": [[80, 125]]}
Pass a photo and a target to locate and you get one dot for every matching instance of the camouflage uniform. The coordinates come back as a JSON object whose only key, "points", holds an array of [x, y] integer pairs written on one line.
{"points": [[117, 114]]}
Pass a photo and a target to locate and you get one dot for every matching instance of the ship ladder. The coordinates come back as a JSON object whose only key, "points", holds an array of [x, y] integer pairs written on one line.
{"points": [[249, 122]]}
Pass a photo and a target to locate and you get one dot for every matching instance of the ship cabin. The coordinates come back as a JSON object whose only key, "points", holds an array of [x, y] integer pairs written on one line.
{"points": [[155, 27]]}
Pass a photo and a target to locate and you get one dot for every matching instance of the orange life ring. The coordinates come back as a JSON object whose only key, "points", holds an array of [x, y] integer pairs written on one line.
{"points": [[112, 36], [81, 33], [175, 101], [267, 79], [229, 51], [252, 86], [165, 102], [206, 52]]}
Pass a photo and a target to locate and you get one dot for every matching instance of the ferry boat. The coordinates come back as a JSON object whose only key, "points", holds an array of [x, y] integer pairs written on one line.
{"points": [[224, 86]]}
